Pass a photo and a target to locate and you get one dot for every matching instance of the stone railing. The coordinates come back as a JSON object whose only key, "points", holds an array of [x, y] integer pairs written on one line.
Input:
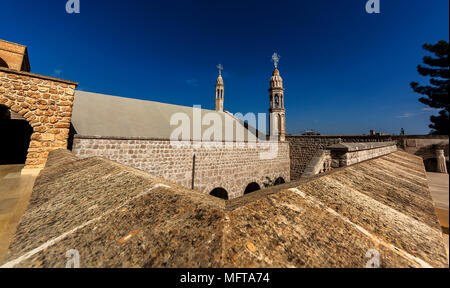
{"points": [[345, 154]]}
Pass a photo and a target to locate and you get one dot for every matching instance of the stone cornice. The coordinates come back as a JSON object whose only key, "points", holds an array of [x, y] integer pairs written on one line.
{"points": [[28, 74]]}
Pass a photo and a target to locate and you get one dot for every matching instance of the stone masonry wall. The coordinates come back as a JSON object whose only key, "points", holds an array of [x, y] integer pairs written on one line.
{"points": [[423, 145], [303, 148], [231, 169], [46, 103]]}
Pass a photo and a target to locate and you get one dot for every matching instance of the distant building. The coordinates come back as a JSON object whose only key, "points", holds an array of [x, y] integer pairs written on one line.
{"points": [[374, 133]]}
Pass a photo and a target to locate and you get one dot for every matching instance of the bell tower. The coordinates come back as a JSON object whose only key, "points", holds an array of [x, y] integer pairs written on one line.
{"points": [[219, 90], [277, 114]]}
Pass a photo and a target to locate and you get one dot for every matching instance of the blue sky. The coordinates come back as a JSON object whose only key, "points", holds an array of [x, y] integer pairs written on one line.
{"points": [[344, 71]]}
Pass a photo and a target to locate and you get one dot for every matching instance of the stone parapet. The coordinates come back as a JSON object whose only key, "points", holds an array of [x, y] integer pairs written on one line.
{"points": [[302, 148], [345, 154]]}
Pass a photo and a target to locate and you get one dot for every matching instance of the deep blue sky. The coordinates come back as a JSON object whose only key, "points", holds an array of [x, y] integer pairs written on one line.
{"points": [[344, 71]]}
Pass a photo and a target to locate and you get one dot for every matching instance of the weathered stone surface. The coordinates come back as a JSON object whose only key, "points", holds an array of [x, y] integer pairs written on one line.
{"points": [[116, 216]]}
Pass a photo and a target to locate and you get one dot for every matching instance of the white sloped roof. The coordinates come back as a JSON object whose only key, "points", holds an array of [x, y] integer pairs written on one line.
{"points": [[112, 116]]}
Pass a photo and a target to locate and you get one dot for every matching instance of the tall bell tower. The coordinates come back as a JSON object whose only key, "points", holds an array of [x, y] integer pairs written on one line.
{"points": [[219, 90], [277, 113]]}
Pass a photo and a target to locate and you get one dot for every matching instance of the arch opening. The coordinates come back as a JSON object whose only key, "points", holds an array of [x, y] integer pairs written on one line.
{"points": [[279, 181], [17, 133], [430, 164], [219, 192], [3, 63], [252, 187]]}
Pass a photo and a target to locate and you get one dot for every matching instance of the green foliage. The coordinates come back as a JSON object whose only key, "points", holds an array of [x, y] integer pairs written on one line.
{"points": [[436, 94]]}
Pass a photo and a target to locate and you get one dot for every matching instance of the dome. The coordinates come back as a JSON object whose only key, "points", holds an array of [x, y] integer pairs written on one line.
{"points": [[276, 81]]}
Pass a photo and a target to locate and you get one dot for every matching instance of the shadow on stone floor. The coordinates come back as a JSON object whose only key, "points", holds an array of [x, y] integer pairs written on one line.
{"points": [[15, 192]]}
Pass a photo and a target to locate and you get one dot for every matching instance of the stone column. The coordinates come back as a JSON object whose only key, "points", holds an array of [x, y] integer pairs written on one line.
{"points": [[441, 165]]}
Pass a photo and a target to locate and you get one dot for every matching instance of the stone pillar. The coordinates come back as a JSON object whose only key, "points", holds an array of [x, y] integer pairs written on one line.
{"points": [[441, 165]]}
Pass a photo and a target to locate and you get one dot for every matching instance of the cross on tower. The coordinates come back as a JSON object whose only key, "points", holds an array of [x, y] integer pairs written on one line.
{"points": [[275, 59], [220, 68]]}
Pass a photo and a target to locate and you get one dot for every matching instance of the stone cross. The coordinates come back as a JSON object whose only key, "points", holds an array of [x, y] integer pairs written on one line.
{"points": [[275, 59], [220, 68]]}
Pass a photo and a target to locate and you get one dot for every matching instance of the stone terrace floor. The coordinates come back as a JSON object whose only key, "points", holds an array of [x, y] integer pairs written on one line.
{"points": [[15, 191]]}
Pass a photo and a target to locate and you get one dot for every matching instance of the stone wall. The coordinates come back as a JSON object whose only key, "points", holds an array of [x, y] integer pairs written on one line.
{"points": [[302, 149], [229, 168], [423, 145], [46, 103], [14, 56]]}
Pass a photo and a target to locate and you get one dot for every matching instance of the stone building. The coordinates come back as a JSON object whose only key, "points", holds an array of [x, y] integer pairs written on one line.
{"points": [[40, 114], [45, 103], [14, 56], [139, 133]]}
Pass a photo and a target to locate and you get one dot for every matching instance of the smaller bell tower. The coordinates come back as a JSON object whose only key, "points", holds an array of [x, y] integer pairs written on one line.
{"points": [[277, 113], [219, 90]]}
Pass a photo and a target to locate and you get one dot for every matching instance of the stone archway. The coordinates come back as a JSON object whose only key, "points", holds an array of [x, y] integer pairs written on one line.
{"points": [[430, 164], [279, 181], [252, 187], [17, 133], [219, 192], [46, 104]]}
